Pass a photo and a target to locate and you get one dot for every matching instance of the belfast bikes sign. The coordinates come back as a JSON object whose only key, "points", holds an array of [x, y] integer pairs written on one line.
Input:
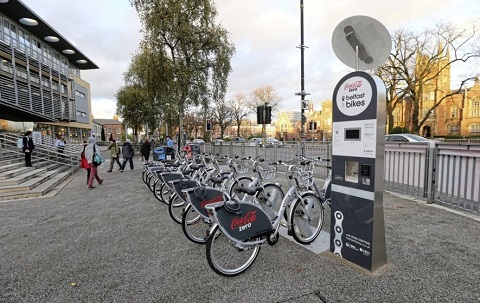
{"points": [[354, 96]]}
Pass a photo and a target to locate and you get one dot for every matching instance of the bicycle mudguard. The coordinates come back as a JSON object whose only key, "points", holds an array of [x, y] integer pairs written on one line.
{"points": [[202, 196], [182, 184], [252, 222]]}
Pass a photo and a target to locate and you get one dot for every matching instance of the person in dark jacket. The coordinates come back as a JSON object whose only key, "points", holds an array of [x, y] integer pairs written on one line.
{"points": [[127, 152], [145, 150], [28, 148]]}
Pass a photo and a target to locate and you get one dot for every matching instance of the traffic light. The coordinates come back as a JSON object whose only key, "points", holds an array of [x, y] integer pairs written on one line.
{"points": [[315, 125], [268, 114], [260, 114], [209, 125]]}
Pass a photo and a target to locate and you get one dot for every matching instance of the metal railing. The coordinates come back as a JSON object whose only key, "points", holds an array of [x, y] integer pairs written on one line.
{"points": [[42, 153], [447, 173]]}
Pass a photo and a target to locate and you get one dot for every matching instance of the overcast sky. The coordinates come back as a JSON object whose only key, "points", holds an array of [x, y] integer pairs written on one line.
{"points": [[266, 34]]}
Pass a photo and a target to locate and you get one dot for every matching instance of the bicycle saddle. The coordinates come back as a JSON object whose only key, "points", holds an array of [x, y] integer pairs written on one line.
{"points": [[251, 191], [218, 180], [197, 166]]}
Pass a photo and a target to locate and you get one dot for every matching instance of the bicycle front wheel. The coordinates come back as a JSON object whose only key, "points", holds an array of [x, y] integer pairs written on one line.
{"points": [[307, 218], [227, 258], [176, 207], [157, 190], [165, 193], [240, 182], [194, 226], [145, 175]]}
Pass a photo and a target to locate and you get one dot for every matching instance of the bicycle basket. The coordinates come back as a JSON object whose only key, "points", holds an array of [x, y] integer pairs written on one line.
{"points": [[304, 178], [267, 173], [201, 196], [242, 167], [250, 223], [182, 184]]}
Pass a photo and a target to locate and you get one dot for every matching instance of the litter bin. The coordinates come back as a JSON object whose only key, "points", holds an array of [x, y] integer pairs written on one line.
{"points": [[163, 153], [191, 149]]}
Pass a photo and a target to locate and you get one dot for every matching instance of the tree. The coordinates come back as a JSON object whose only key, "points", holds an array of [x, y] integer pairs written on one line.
{"points": [[240, 109], [198, 50], [222, 115], [419, 61], [264, 94], [130, 106]]}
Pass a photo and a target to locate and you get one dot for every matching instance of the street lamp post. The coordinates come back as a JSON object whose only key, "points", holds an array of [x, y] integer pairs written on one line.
{"points": [[302, 93]]}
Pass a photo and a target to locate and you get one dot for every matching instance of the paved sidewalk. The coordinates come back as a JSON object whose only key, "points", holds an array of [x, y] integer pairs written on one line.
{"points": [[117, 243]]}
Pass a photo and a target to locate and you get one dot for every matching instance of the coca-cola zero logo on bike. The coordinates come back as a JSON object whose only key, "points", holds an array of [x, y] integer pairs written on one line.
{"points": [[209, 201], [354, 96], [244, 222]]}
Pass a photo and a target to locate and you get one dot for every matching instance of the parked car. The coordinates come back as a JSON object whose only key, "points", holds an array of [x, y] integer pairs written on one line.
{"points": [[409, 138], [198, 141], [271, 142], [217, 141], [239, 139], [255, 141]]}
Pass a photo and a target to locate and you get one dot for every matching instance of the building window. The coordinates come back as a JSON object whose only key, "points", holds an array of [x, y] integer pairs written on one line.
{"points": [[119, 130], [453, 112], [109, 130], [79, 94], [475, 109], [453, 129], [474, 128], [81, 114]]}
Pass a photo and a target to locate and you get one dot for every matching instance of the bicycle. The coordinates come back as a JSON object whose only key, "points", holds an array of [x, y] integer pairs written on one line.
{"points": [[240, 229], [195, 219]]}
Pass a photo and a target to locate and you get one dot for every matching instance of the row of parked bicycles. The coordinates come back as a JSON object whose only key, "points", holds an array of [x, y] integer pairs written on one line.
{"points": [[232, 205]]}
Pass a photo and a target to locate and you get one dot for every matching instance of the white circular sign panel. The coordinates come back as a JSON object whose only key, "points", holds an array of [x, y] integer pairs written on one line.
{"points": [[354, 95], [372, 38]]}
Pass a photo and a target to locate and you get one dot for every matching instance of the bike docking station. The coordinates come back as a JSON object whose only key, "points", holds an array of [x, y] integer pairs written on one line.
{"points": [[358, 144]]}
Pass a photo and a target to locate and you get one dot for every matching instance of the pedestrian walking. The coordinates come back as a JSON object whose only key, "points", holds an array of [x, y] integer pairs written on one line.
{"points": [[90, 151], [145, 150], [28, 148], [127, 152], [114, 155], [84, 162]]}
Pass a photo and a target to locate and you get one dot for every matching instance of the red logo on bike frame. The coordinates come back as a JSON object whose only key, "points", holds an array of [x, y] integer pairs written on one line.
{"points": [[213, 200], [249, 217]]}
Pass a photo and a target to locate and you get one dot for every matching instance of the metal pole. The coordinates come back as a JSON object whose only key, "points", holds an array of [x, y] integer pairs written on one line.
{"points": [[302, 93]]}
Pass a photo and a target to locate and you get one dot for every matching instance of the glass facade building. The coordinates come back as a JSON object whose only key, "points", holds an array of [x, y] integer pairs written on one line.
{"points": [[40, 82]]}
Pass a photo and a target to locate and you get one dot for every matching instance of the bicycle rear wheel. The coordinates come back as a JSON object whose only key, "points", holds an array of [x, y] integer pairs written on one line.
{"points": [[175, 208], [194, 226], [270, 199], [227, 258], [307, 218]]}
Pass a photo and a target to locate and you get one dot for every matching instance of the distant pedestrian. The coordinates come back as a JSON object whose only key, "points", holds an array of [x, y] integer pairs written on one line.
{"points": [[92, 149], [127, 152], [145, 150], [28, 148], [84, 162], [169, 142], [114, 155], [59, 144]]}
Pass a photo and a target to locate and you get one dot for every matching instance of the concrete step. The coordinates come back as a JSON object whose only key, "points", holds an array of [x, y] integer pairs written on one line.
{"points": [[40, 190], [17, 169], [33, 181]]}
